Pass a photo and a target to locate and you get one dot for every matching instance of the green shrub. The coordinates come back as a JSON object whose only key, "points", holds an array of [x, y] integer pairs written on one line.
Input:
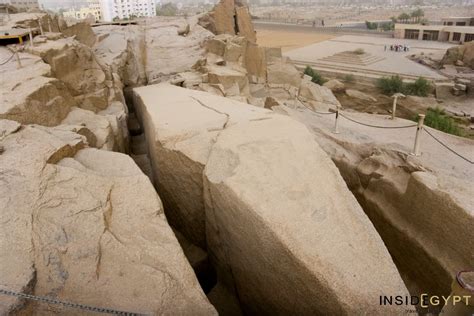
{"points": [[390, 85], [315, 76], [359, 51], [349, 78], [437, 119], [371, 25], [420, 87]]}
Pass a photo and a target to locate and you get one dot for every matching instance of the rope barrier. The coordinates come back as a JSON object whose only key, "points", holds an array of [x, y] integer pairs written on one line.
{"points": [[397, 127], [6, 61], [324, 113], [448, 148], [66, 304], [377, 126]]}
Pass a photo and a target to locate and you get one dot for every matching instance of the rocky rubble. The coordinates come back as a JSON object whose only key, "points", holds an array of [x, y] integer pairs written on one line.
{"points": [[463, 53], [239, 69]]}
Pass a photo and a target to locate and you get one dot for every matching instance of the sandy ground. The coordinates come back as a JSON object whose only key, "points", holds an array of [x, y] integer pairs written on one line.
{"points": [[390, 62], [287, 40]]}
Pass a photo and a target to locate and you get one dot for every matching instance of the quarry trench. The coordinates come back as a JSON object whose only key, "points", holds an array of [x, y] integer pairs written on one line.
{"points": [[196, 256]]}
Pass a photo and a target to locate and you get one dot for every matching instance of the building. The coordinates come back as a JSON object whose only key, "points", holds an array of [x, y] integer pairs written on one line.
{"points": [[126, 9], [455, 30], [23, 5], [92, 9], [457, 21]]}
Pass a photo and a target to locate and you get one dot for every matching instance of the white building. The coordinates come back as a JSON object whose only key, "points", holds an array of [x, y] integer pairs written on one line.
{"points": [[125, 9], [23, 5], [92, 9]]}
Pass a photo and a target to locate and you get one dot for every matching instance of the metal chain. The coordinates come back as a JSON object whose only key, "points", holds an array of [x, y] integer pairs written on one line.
{"points": [[7, 60], [49, 300], [448, 148], [378, 126]]}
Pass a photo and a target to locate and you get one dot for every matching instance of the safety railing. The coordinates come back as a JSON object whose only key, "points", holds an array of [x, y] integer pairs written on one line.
{"points": [[420, 127]]}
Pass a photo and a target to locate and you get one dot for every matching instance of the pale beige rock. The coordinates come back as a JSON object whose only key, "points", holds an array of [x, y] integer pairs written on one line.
{"points": [[74, 64], [244, 23], [283, 73], [85, 226], [229, 17], [28, 95], [82, 32], [255, 61], [182, 125], [356, 94], [167, 53], [116, 113], [335, 85], [122, 50], [398, 190], [99, 125], [259, 204], [444, 90], [230, 79], [317, 96]]}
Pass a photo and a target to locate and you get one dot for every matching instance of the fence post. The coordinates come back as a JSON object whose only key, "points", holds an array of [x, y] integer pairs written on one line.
{"points": [[31, 38], [419, 129], [40, 27], [336, 130], [18, 60], [395, 99], [394, 109]]}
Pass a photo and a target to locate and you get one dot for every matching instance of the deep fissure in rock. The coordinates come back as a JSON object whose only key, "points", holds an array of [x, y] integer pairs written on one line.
{"points": [[196, 256]]}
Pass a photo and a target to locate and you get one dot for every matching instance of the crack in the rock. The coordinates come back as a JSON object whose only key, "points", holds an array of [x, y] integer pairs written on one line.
{"points": [[212, 109]]}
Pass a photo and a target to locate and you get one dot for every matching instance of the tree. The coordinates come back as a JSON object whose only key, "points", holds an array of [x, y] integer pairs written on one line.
{"points": [[371, 25], [417, 15], [404, 17]]}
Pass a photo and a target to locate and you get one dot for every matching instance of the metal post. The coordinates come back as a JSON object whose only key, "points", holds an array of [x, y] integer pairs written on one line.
{"points": [[336, 130], [18, 60], [31, 38], [394, 109], [40, 27], [419, 129]]}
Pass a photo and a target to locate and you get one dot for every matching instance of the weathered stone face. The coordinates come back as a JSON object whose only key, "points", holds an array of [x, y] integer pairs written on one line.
{"points": [[230, 17], [86, 226], [278, 219]]}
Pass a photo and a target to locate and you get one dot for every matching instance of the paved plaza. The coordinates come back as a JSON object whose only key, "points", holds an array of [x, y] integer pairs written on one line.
{"points": [[390, 62]]}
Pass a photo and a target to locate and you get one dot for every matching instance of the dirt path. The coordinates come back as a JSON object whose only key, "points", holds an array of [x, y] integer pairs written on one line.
{"points": [[288, 39]]}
